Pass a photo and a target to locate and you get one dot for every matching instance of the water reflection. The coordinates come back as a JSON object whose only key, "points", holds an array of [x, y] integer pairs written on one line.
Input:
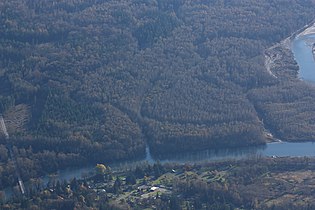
{"points": [[210, 155], [302, 50], [283, 149]]}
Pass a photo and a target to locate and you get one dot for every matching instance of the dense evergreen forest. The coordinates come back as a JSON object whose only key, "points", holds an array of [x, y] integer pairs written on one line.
{"points": [[94, 80]]}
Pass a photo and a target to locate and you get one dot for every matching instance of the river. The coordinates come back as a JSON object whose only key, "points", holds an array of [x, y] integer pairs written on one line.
{"points": [[302, 50]]}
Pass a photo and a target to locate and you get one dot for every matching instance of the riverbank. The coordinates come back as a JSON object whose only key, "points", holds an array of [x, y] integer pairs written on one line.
{"points": [[283, 183], [309, 30], [282, 51], [279, 61], [287, 106]]}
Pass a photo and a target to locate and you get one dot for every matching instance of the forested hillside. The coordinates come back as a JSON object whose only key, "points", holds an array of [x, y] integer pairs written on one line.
{"points": [[100, 78]]}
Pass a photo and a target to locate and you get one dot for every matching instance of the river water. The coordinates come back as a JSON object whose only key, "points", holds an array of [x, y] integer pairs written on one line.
{"points": [[302, 50], [278, 149]]}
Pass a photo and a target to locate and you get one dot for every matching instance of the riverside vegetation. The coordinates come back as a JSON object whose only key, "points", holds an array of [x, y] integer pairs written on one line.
{"points": [[96, 80], [256, 183]]}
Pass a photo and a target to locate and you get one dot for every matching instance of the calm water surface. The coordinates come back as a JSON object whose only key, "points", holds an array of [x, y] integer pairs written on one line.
{"points": [[301, 48]]}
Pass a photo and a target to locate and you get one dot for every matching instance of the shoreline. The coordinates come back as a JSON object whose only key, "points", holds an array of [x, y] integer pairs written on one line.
{"points": [[280, 56], [286, 44], [309, 30]]}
